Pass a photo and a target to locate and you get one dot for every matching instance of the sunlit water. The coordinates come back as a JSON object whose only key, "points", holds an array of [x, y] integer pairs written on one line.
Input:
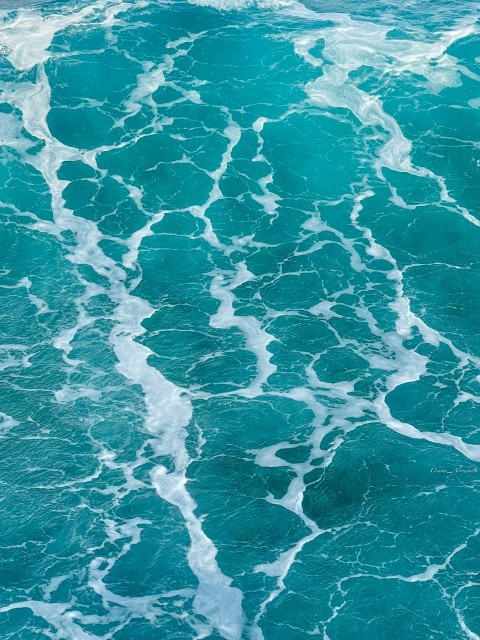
{"points": [[240, 330]]}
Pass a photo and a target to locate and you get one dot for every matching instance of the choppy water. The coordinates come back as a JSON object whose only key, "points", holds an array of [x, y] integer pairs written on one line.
{"points": [[239, 335]]}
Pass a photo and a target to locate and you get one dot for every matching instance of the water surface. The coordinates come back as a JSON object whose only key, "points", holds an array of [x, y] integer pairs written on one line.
{"points": [[239, 334]]}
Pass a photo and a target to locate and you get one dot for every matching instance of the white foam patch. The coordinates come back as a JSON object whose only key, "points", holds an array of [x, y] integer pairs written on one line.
{"points": [[27, 38], [11, 133], [41, 305], [60, 616], [324, 309], [474, 103], [8, 356], [7, 423], [72, 393], [131, 606], [268, 200], [54, 584]]}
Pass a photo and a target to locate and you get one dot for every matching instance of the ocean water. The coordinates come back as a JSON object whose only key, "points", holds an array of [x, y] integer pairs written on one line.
{"points": [[239, 327]]}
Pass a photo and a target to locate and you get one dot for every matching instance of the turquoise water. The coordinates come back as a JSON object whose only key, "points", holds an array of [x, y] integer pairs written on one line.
{"points": [[239, 328]]}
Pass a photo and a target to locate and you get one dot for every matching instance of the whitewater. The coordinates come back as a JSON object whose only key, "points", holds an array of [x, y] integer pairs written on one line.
{"points": [[239, 334]]}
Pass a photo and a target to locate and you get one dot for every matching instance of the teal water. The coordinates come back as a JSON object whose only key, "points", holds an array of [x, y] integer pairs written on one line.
{"points": [[239, 328]]}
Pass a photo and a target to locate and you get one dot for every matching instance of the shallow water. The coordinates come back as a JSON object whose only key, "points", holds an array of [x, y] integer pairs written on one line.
{"points": [[239, 334]]}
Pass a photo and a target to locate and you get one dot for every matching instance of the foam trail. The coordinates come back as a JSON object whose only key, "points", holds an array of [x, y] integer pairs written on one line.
{"points": [[351, 45], [256, 338], [168, 414], [58, 615], [470, 451], [268, 200], [25, 40], [341, 313], [348, 47], [153, 77], [168, 410], [215, 599], [233, 133], [409, 366]]}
